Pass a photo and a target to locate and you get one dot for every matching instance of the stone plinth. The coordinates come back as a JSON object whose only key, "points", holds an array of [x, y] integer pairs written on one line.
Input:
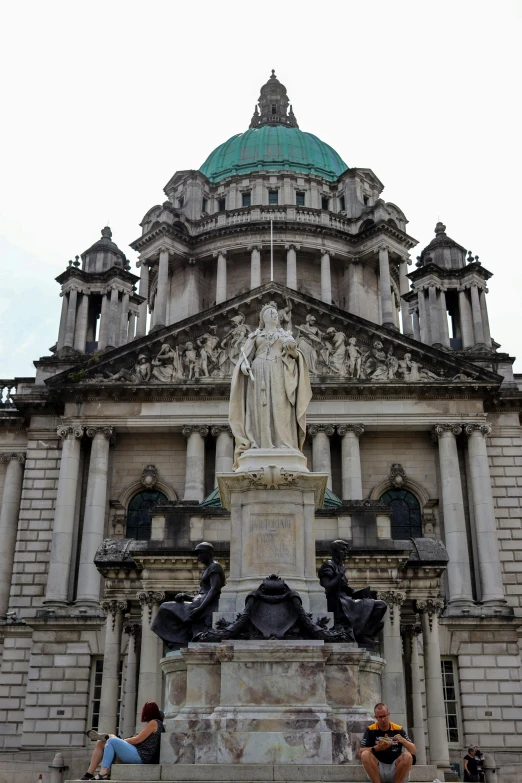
{"points": [[273, 517], [265, 702], [256, 459]]}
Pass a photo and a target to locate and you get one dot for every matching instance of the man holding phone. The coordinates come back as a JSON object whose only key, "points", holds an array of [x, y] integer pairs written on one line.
{"points": [[386, 750]]}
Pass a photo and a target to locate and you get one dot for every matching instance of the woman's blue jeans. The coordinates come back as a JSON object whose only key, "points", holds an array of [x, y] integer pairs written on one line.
{"points": [[126, 752]]}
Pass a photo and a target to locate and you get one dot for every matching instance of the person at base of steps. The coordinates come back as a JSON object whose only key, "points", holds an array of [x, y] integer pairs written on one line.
{"points": [[143, 748], [471, 766], [387, 753]]}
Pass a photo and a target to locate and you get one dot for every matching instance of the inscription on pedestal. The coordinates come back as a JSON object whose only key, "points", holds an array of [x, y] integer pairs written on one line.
{"points": [[273, 539]]}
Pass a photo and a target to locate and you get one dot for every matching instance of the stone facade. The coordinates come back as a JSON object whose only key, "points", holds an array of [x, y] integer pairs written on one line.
{"points": [[411, 394]]}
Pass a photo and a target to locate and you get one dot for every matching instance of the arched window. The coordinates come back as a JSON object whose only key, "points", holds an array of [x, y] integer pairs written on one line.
{"points": [[138, 513], [406, 519]]}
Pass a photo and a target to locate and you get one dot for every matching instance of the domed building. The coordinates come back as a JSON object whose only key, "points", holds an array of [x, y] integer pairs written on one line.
{"points": [[109, 455]]}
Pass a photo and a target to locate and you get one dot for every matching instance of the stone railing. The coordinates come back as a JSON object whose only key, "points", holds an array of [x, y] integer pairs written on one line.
{"points": [[265, 213]]}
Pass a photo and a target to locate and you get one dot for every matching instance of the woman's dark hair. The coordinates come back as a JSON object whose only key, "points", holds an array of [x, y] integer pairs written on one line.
{"points": [[150, 711]]}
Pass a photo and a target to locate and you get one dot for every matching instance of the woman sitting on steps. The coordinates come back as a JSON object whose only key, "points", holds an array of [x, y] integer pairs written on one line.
{"points": [[143, 748]]}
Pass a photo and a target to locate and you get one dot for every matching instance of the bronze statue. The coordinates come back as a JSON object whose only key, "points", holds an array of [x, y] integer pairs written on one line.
{"points": [[178, 621], [354, 609]]}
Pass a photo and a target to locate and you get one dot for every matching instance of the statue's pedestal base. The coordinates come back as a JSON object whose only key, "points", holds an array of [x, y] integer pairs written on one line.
{"points": [[268, 702], [272, 532], [258, 459]]}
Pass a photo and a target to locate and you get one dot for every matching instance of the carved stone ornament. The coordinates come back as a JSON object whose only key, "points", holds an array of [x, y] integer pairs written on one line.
{"points": [[70, 431], [113, 550], [217, 429], [314, 429], [356, 429], [187, 430], [481, 428], [440, 429], [397, 475], [12, 455], [271, 477], [149, 476], [107, 432], [150, 598], [392, 598], [409, 633], [133, 630], [433, 607], [112, 607]]}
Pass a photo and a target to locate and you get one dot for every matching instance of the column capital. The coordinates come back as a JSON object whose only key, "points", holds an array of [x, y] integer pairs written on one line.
{"points": [[113, 607], [133, 630], [314, 429], [70, 431], [411, 630], [258, 247], [328, 253], [383, 246], [217, 429], [433, 607], [107, 431], [18, 456], [391, 597], [292, 246], [481, 428], [188, 429], [355, 429], [438, 430], [148, 598], [164, 249], [218, 253]]}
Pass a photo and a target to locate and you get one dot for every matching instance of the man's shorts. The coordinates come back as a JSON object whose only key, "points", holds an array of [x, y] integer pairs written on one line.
{"points": [[387, 772]]}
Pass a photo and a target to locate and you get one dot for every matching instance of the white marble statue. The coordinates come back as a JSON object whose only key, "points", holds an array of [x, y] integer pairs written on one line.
{"points": [[270, 389]]}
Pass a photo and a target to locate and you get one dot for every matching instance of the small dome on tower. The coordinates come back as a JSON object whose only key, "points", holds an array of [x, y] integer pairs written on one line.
{"points": [[104, 254], [443, 251], [273, 106]]}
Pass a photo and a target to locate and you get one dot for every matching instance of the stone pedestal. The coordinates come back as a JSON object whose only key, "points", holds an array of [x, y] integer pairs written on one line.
{"points": [[265, 702], [273, 516]]}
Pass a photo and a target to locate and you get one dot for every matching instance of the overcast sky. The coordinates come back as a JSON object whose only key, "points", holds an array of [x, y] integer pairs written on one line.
{"points": [[103, 101]]}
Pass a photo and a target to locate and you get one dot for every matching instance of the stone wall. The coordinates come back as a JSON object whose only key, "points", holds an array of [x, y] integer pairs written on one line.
{"points": [[132, 452], [414, 450]]}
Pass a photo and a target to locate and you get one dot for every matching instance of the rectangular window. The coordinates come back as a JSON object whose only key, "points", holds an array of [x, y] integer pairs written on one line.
{"points": [[222, 204], [96, 686], [300, 199], [342, 204], [247, 199], [204, 205], [181, 201], [450, 687], [273, 197], [325, 203], [366, 200]]}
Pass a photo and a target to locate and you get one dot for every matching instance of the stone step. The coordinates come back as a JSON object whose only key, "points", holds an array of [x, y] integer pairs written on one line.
{"points": [[255, 773]]}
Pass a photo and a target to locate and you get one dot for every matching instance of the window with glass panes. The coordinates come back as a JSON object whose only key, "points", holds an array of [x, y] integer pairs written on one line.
{"points": [[300, 199], [273, 197], [451, 699], [138, 513], [247, 199], [325, 203], [96, 686], [406, 521], [222, 203]]}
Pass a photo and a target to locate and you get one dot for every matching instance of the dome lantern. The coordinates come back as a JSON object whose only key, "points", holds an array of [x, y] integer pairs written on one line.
{"points": [[273, 106]]}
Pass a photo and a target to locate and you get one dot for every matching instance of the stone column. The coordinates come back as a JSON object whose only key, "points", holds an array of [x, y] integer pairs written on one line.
{"points": [[56, 593], [477, 314], [423, 317], [351, 461], [466, 322], [490, 569], [321, 458], [80, 335], [404, 287], [221, 277], [63, 321], [88, 592], [355, 287], [128, 721], [114, 318], [148, 681], [444, 328], [458, 571], [110, 686], [71, 318], [195, 465], [416, 324], [485, 317], [291, 266], [132, 326], [124, 320], [393, 689], [9, 511], [141, 329], [385, 288], [411, 653], [255, 266], [434, 315], [103, 331], [430, 609], [224, 450], [326, 278], [160, 305]]}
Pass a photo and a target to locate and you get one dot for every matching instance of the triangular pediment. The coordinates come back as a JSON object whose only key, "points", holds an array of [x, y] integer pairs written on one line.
{"points": [[342, 351]]}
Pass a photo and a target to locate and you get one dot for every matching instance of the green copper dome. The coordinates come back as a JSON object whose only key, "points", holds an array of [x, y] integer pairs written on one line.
{"points": [[273, 148]]}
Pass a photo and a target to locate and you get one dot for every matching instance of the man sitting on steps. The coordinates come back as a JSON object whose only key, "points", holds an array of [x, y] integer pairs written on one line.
{"points": [[386, 750]]}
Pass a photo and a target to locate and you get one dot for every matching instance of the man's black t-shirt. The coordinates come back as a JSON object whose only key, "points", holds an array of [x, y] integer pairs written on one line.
{"points": [[371, 738], [473, 767]]}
